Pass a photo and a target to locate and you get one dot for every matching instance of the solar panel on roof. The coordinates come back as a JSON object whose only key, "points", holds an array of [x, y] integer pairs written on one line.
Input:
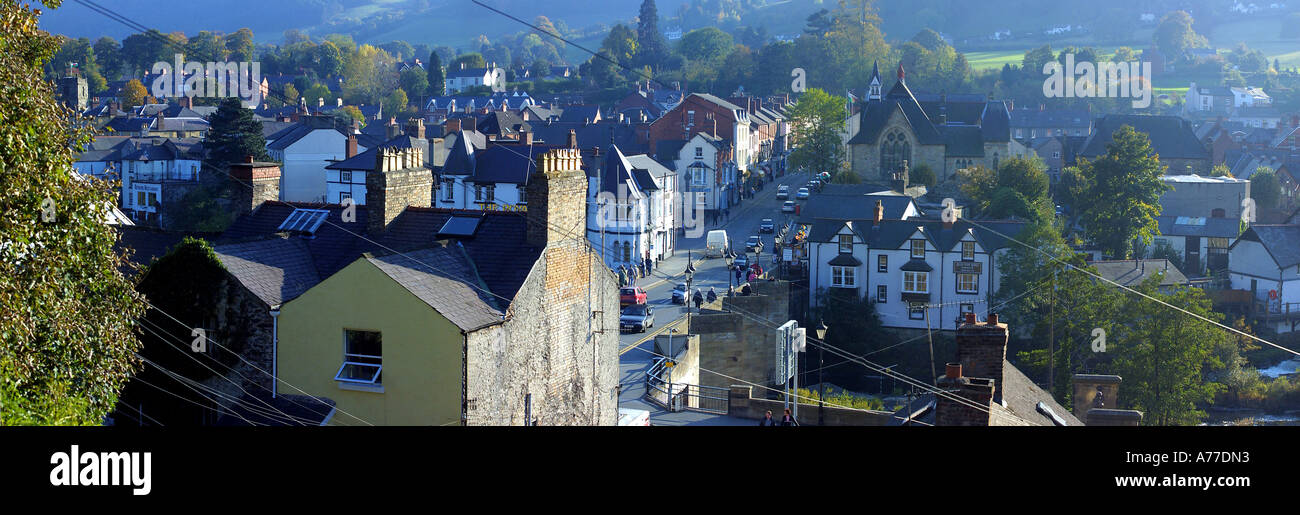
{"points": [[460, 226], [304, 220]]}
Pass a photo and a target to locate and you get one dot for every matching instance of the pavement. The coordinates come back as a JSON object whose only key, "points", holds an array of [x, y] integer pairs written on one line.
{"points": [[635, 349]]}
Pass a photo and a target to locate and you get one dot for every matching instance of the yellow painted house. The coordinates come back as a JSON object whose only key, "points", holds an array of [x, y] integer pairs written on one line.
{"points": [[385, 337]]}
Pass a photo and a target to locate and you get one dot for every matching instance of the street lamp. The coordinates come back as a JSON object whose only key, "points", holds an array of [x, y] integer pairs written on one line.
{"points": [[690, 276], [821, 386], [731, 261]]}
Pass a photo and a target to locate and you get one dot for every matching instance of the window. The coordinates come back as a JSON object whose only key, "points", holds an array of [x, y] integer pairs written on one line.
{"points": [[882, 263], [448, 189], [698, 174], [485, 193], [918, 249], [1056, 155], [916, 311], [699, 152], [363, 358], [690, 118], [140, 198], [882, 294], [304, 220], [343, 195], [967, 250], [627, 252], [894, 149], [916, 282], [968, 283], [843, 277], [967, 308], [846, 244], [345, 176]]}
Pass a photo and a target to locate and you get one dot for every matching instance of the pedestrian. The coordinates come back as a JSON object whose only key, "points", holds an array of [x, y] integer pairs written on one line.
{"points": [[767, 420], [788, 419], [645, 268], [699, 299], [713, 295]]}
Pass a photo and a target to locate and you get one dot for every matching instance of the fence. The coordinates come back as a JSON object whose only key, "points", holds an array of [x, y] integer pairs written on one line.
{"points": [[660, 390]]}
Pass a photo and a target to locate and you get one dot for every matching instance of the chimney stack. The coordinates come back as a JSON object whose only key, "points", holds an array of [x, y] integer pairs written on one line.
{"points": [[982, 350], [525, 137], [392, 130], [557, 196], [162, 122], [415, 128], [451, 126], [959, 411], [398, 181], [350, 147], [1096, 401], [572, 139], [880, 213], [263, 180]]}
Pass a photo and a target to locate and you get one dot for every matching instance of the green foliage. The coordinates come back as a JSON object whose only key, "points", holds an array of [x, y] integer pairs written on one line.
{"points": [[1265, 188], [1163, 250], [315, 93], [134, 94], [470, 60], [1175, 35], [810, 398], [437, 83], [653, 47], [706, 44], [1016, 189], [852, 325], [1123, 195], [1221, 170], [923, 174], [817, 121], [67, 314]]}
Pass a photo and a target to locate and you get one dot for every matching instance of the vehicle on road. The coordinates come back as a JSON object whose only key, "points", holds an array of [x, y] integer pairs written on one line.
{"points": [[788, 207], [741, 261], [717, 244], [767, 225], [783, 192], [631, 295], [633, 417], [753, 243], [803, 194], [679, 293], [636, 318]]}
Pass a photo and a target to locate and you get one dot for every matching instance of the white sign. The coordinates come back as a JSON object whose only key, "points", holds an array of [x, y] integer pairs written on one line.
{"points": [[785, 360], [787, 254]]}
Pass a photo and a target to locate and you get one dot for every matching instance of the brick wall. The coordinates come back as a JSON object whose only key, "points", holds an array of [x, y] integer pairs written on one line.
{"points": [[982, 351], [671, 125], [557, 198], [952, 412]]}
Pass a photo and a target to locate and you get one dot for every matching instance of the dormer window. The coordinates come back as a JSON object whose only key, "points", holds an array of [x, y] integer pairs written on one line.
{"points": [[918, 249], [304, 220], [967, 250], [846, 244]]}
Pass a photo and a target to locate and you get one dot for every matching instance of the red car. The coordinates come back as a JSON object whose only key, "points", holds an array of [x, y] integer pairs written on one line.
{"points": [[631, 295]]}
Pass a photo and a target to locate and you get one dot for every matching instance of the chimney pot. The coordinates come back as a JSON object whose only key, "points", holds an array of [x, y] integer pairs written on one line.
{"points": [[993, 319], [970, 318], [248, 159], [953, 371]]}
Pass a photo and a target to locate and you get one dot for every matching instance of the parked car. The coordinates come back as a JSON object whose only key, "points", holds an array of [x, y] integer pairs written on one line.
{"points": [[636, 318], [754, 242], [741, 261], [631, 295], [803, 194], [783, 192], [767, 225], [679, 293], [788, 207]]}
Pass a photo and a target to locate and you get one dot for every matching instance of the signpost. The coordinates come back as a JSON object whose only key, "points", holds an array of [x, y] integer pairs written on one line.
{"points": [[790, 341]]}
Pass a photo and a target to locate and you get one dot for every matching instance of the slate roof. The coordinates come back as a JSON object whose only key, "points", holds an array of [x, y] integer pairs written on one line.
{"points": [[853, 206], [1020, 395], [617, 171], [1053, 118], [1171, 136], [845, 260], [129, 124], [511, 164], [1281, 241], [146, 244], [293, 133], [276, 269], [716, 100], [893, 234], [963, 141], [1211, 228], [667, 151], [365, 161], [591, 135], [651, 167], [334, 245], [501, 123], [1132, 272], [443, 277], [581, 113]]}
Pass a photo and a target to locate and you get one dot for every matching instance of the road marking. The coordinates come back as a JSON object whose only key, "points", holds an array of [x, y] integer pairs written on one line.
{"points": [[648, 337]]}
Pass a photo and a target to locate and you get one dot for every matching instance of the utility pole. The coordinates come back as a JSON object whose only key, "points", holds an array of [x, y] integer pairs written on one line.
{"points": [[1051, 341]]}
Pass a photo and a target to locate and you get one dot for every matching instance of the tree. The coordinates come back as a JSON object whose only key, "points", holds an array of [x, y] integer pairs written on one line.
{"points": [[1124, 193], [1016, 189], [653, 47], [290, 94], [240, 45], [1265, 188], [1221, 170], [852, 325], [134, 94], [470, 60], [108, 53], [414, 81], [817, 121], [399, 49], [437, 84], [67, 331], [329, 59], [315, 93], [1175, 35], [397, 100], [707, 44], [923, 174]]}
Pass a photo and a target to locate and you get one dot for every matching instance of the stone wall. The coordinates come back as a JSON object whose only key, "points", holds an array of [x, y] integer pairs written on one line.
{"points": [[742, 346], [399, 181], [744, 405]]}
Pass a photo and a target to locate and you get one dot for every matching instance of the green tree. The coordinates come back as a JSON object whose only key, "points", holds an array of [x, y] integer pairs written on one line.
{"points": [[329, 59], [134, 94], [470, 60], [653, 48], [397, 100], [1221, 170], [1265, 188], [818, 119], [437, 84], [415, 81], [240, 45], [67, 340], [852, 325], [315, 93], [1124, 193], [707, 44], [206, 46], [1018, 188], [108, 52], [923, 174], [1175, 35], [291, 93]]}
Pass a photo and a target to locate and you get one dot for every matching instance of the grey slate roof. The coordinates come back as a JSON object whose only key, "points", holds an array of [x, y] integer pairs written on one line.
{"points": [[1171, 136], [1020, 395], [1281, 241], [1132, 272], [1213, 227], [1052, 118], [276, 269], [443, 278], [852, 205]]}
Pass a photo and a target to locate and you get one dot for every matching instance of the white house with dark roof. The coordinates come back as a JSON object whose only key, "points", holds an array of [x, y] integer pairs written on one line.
{"points": [[1202, 242], [462, 78], [1265, 261], [630, 209], [305, 149]]}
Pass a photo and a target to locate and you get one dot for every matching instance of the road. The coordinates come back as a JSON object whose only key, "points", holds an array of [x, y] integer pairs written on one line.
{"points": [[636, 349]]}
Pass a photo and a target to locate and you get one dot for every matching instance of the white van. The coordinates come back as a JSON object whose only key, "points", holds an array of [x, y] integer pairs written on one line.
{"points": [[717, 244], [633, 417]]}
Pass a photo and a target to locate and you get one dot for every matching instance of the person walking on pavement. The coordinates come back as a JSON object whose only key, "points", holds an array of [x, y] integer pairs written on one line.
{"points": [[713, 295], [698, 298], [788, 419], [767, 420]]}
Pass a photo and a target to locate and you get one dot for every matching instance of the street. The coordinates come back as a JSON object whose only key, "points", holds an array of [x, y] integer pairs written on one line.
{"points": [[636, 349]]}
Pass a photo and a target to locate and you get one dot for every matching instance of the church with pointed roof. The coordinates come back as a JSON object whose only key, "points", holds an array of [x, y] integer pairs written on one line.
{"points": [[890, 133]]}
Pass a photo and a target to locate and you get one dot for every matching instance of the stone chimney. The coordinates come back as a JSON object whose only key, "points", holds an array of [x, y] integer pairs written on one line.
{"points": [[880, 214], [525, 137], [415, 128], [161, 121], [982, 350], [572, 141], [959, 411], [900, 179], [399, 180], [557, 196], [392, 130], [451, 126], [186, 101], [350, 147], [1096, 401], [262, 181]]}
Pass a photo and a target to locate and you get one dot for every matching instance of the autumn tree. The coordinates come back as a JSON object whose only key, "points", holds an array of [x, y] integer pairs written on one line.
{"points": [[1123, 196], [67, 331], [816, 122]]}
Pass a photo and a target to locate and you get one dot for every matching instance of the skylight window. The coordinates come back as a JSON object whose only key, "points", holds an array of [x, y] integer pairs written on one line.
{"points": [[463, 226], [304, 220]]}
